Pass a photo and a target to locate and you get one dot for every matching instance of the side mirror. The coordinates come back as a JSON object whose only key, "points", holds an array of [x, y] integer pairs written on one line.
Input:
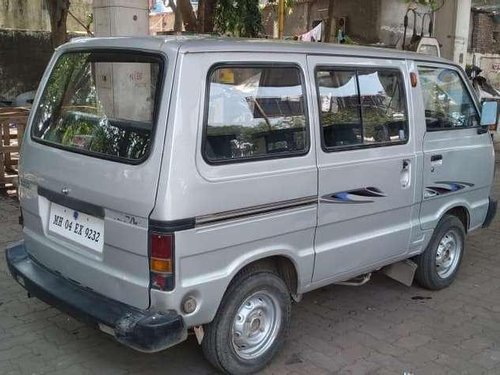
{"points": [[489, 113]]}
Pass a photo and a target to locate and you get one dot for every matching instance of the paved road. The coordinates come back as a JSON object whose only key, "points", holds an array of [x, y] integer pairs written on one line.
{"points": [[380, 328]]}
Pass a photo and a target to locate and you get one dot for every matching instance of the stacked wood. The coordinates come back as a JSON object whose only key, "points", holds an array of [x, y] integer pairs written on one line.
{"points": [[12, 125]]}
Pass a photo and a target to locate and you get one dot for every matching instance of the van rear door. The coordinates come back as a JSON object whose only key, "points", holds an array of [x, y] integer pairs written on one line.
{"points": [[89, 169]]}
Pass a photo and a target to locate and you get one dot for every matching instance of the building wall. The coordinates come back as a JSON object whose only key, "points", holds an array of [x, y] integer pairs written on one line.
{"points": [[25, 46], [391, 30], [81, 9], [368, 21], [445, 26], [496, 34], [484, 32], [24, 14], [33, 15], [361, 18], [490, 65], [484, 48], [296, 19], [23, 58]]}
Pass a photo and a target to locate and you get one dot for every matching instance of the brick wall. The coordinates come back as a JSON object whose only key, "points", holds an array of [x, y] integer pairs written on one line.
{"points": [[496, 35], [483, 27]]}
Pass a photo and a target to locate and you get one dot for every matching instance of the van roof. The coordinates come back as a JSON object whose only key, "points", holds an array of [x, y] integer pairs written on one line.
{"points": [[202, 43]]}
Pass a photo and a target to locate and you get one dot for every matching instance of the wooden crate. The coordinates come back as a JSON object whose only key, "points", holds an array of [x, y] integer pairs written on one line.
{"points": [[12, 124]]}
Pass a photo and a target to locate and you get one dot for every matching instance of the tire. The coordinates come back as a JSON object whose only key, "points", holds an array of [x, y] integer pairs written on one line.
{"points": [[226, 345], [439, 263]]}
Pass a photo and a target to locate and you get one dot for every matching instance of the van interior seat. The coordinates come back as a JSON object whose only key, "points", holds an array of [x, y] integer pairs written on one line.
{"points": [[342, 134]]}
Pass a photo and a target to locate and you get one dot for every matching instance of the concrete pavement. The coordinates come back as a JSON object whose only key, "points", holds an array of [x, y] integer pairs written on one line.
{"points": [[380, 328]]}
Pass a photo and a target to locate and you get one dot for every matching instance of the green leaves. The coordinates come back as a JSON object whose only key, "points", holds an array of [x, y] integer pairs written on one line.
{"points": [[240, 18]]}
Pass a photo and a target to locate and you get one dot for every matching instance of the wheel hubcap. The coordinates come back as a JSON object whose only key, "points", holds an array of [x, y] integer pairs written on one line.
{"points": [[448, 254], [256, 325]]}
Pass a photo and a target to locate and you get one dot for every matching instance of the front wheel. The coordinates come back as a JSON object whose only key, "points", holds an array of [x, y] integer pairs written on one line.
{"points": [[439, 263], [251, 324]]}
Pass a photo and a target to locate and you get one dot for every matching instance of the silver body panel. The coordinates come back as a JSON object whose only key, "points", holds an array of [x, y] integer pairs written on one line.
{"points": [[124, 191], [249, 211], [354, 236]]}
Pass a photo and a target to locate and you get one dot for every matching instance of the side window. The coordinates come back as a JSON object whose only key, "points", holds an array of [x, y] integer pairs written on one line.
{"points": [[361, 108], [448, 104], [254, 112]]}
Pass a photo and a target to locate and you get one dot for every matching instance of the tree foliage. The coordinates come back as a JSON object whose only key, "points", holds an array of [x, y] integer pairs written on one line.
{"points": [[234, 17], [70, 113], [238, 17]]}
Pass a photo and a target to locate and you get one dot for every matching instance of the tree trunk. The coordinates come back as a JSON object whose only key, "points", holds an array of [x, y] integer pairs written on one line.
{"points": [[206, 14], [58, 13], [188, 15], [209, 16], [201, 16], [177, 16], [329, 22]]}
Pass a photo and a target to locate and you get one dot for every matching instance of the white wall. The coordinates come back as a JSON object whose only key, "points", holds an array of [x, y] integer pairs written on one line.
{"points": [[451, 26], [391, 22]]}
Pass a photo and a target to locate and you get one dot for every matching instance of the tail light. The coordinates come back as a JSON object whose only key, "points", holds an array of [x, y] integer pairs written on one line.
{"points": [[161, 261]]}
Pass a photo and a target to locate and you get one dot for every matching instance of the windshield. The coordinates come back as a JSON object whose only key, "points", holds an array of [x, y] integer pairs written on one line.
{"points": [[428, 49], [101, 104]]}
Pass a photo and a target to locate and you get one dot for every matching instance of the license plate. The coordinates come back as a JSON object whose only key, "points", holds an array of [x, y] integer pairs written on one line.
{"points": [[77, 226]]}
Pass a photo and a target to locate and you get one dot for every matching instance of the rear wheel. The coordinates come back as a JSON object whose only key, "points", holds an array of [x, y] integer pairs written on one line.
{"points": [[251, 324], [439, 263]]}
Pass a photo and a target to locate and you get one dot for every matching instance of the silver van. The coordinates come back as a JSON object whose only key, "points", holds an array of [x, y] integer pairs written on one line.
{"points": [[177, 184]]}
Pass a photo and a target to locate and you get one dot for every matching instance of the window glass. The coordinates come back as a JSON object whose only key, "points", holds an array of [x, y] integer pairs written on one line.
{"points": [[361, 108], [428, 49], [255, 112], [448, 104], [339, 102], [100, 103], [383, 106]]}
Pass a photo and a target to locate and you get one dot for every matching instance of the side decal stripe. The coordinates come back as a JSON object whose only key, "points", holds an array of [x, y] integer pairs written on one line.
{"points": [[256, 210]]}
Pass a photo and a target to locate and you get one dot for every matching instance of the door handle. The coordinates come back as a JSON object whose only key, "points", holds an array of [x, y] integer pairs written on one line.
{"points": [[436, 160], [406, 174]]}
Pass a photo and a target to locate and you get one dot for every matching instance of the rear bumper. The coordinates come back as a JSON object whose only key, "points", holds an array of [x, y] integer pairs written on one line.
{"points": [[142, 330], [490, 215]]}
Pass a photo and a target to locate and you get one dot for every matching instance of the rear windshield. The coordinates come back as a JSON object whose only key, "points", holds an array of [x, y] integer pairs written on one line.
{"points": [[101, 104]]}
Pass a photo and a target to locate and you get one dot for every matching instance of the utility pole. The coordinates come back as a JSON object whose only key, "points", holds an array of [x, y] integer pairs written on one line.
{"points": [[121, 17], [281, 18], [329, 32], [452, 29], [131, 80], [461, 37]]}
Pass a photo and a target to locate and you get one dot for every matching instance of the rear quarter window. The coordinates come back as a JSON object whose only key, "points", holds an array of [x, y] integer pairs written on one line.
{"points": [[101, 104], [254, 112]]}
